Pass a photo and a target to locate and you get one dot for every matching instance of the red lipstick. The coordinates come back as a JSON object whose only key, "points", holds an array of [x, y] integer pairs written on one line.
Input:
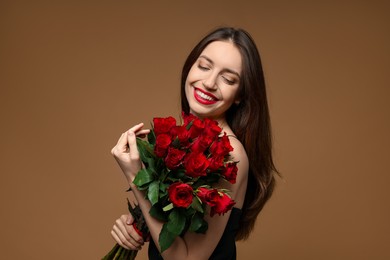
{"points": [[200, 97]]}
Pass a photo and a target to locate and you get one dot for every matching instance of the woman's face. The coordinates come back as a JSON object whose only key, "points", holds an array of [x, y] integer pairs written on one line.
{"points": [[212, 83]]}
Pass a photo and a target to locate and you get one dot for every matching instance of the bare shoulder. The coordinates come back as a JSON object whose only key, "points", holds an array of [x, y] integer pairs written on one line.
{"points": [[238, 153]]}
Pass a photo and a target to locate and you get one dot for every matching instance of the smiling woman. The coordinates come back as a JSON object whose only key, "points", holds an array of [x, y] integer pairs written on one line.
{"points": [[213, 81], [222, 79]]}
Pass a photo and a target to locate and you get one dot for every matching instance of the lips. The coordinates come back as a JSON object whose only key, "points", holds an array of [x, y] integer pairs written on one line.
{"points": [[203, 97]]}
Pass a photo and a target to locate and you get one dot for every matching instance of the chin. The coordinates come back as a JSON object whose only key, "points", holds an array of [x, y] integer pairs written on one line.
{"points": [[198, 113]]}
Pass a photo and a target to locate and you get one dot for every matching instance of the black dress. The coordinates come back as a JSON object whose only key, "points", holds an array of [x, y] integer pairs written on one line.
{"points": [[226, 248]]}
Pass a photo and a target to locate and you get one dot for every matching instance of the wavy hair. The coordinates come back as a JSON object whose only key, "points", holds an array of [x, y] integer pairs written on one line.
{"points": [[249, 120]]}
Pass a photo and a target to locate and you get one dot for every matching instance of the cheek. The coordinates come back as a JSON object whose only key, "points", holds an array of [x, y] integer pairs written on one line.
{"points": [[231, 95], [190, 72], [194, 75]]}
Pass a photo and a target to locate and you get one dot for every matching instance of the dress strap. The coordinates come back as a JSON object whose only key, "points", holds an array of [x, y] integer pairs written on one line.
{"points": [[232, 136]]}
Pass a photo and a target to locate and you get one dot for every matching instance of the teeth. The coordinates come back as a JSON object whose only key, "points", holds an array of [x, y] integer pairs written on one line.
{"points": [[204, 96]]}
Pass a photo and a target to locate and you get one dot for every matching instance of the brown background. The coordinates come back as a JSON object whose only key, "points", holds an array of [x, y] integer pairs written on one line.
{"points": [[74, 75]]}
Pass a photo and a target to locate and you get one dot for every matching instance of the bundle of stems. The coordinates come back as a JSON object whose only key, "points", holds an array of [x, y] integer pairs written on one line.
{"points": [[120, 253]]}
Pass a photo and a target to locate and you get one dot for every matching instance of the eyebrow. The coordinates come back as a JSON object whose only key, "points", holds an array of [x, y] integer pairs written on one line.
{"points": [[225, 69]]}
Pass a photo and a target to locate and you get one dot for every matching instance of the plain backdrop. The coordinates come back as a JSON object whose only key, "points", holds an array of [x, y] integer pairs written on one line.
{"points": [[74, 75]]}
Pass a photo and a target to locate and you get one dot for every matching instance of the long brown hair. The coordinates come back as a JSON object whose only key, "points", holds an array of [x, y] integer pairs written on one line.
{"points": [[249, 120]]}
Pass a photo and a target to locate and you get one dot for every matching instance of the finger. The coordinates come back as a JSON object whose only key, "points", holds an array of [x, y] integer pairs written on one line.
{"points": [[132, 142], [121, 145], [142, 133], [137, 127], [134, 235], [129, 219], [120, 224], [120, 140], [130, 228], [116, 238], [125, 239]]}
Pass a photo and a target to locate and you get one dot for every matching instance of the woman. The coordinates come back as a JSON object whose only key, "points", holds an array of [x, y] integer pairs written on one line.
{"points": [[222, 79]]}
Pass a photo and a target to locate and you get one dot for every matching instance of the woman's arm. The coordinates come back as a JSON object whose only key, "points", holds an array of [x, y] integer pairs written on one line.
{"points": [[192, 245]]}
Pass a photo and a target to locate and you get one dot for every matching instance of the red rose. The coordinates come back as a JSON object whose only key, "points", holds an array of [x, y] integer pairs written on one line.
{"points": [[230, 172], [163, 125], [182, 134], [223, 204], [187, 118], [174, 158], [211, 128], [216, 162], [208, 196], [180, 194], [201, 144], [221, 147], [196, 128], [162, 143], [196, 164]]}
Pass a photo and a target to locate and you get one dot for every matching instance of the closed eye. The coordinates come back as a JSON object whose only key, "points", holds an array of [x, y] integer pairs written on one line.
{"points": [[203, 68], [228, 81]]}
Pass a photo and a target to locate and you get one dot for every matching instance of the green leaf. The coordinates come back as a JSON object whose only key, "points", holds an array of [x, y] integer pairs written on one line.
{"points": [[189, 125], [164, 187], [143, 177], [166, 238], [151, 137], [197, 204], [176, 222], [181, 174], [145, 150], [144, 187], [198, 224], [213, 177], [160, 164], [153, 192], [176, 143], [156, 212], [150, 164], [190, 211], [168, 207]]}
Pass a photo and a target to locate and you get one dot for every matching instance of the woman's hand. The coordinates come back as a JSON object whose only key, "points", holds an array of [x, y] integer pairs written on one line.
{"points": [[125, 235], [126, 151]]}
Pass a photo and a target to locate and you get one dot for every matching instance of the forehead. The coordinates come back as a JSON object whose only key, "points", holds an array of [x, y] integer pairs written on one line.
{"points": [[224, 54]]}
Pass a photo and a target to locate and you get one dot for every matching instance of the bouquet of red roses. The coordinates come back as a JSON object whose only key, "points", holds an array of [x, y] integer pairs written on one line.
{"points": [[182, 164]]}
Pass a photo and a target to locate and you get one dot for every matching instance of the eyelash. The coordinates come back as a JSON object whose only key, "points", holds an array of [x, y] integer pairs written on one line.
{"points": [[203, 68], [229, 82]]}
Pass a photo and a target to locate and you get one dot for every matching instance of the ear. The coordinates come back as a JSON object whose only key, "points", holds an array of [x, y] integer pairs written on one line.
{"points": [[237, 102]]}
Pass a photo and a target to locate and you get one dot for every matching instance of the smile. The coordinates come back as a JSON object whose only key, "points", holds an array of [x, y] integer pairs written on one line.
{"points": [[204, 97]]}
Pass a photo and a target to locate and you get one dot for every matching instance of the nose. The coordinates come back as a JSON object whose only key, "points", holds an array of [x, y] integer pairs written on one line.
{"points": [[210, 82]]}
